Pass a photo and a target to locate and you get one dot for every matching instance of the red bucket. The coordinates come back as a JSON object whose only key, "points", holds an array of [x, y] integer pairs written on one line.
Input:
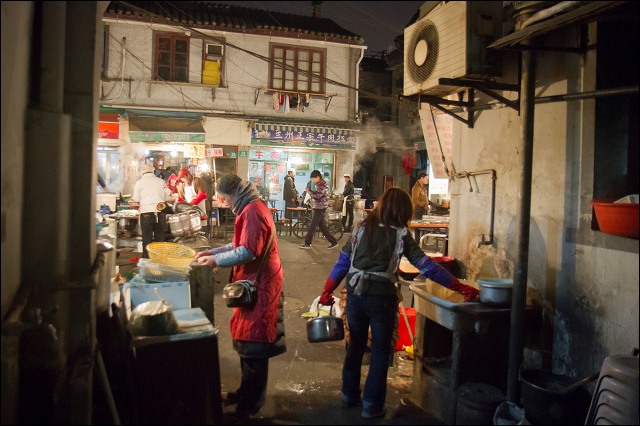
{"points": [[403, 334]]}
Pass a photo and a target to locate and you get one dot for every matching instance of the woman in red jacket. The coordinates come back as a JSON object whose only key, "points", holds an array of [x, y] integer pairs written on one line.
{"points": [[257, 331]]}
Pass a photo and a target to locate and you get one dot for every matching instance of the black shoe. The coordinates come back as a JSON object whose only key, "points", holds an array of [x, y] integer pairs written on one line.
{"points": [[368, 414], [305, 246], [232, 398], [332, 245]]}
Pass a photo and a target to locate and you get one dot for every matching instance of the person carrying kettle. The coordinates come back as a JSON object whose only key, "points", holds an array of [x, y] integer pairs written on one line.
{"points": [[369, 261]]}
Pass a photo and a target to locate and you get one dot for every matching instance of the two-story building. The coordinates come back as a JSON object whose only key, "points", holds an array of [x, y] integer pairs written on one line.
{"points": [[227, 89]]}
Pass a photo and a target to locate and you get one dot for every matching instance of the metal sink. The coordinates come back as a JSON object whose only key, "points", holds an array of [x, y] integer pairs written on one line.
{"points": [[441, 305]]}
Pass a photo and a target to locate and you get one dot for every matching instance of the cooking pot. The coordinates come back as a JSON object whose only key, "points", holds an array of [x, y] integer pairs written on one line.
{"points": [[495, 291], [325, 329]]}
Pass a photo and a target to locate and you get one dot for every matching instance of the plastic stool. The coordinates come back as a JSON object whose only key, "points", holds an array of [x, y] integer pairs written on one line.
{"points": [[615, 400]]}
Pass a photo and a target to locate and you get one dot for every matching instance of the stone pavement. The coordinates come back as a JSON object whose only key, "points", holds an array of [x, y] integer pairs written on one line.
{"points": [[304, 383]]}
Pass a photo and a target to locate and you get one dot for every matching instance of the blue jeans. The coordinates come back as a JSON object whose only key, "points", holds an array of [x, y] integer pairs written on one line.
{"points": [[379, 312]]}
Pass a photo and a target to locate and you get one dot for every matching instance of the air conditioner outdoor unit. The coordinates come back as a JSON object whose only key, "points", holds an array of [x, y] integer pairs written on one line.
{"points": [[450, 42]]}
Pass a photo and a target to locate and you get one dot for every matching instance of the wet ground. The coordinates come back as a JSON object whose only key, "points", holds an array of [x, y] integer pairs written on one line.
{"points": [[304, 383]]}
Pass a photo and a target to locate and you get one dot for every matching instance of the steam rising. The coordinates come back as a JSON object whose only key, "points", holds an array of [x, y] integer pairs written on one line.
{"points": [[376, 135]]}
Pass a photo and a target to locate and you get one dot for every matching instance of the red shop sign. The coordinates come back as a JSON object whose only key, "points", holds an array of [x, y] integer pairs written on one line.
{"points": [[108, 130]]}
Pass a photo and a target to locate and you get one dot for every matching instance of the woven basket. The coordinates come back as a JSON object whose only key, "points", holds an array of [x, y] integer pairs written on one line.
{"points": [[171, 254]]}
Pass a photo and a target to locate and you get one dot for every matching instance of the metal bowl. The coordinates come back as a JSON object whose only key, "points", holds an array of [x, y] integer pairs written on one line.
{"points": [[495, 291]]}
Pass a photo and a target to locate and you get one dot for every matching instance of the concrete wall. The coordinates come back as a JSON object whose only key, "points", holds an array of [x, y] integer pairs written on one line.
{"points": [[586, 281]]}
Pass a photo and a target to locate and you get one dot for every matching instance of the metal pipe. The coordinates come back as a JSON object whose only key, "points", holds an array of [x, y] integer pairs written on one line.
{"points": [[516, 333]]}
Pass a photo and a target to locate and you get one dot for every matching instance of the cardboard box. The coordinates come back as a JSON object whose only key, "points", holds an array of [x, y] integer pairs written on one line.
{"points": [[178, 293]]}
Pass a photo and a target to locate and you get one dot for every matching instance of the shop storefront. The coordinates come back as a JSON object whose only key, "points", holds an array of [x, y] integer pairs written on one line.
{"points": [[277, 148]]}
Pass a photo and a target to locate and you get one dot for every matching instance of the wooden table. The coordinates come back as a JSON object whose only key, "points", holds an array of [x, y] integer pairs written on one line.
{"points": [[419, 227]]}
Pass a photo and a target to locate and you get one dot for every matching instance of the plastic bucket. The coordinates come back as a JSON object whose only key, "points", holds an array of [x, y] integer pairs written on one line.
{"points": [[509, 413], [404, 338], [552, 398]]}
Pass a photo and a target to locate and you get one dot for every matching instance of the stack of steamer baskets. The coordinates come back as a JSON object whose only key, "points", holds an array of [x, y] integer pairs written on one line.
{"points": [[184, 223]]}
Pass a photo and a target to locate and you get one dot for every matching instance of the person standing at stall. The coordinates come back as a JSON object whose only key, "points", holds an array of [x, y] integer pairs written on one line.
{"points": [[290, 194], [150, 190], [319, 203], [349, 202], [193, 191], [257, 331], [369, 261], [420, 196]]}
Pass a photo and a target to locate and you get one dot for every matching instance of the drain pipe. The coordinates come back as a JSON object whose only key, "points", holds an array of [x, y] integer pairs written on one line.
{"points": [[492, 172], [516, 334]]}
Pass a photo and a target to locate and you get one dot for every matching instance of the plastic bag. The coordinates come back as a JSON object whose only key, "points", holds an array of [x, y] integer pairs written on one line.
{"points": [[154, 318]]}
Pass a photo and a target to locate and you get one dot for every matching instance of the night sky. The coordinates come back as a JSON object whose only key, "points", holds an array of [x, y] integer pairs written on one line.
{"points": [[378, 22]]}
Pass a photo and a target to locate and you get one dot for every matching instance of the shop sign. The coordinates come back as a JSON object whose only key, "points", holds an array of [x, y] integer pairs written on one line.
{"points": [[194, 151], [302, 139], [215, 152], [108, 130], [165, 137], [242, 153], [233, 155]]}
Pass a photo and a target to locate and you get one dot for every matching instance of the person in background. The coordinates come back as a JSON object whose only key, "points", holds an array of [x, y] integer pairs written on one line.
{"points": [[257, 331], [349, 203], [319, 203], [194, 191], [208, 180], [369, 261], [172, 183], [290, 194], [102, 184], [150, 190], [420, 196]]}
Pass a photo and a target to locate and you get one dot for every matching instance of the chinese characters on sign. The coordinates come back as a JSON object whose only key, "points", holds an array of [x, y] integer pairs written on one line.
{"points": [[215, 152], [194, 151], [433, 141], [302, 138]]}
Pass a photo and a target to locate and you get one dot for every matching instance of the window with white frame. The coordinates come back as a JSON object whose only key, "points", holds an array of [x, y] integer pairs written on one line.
{"points": [[297, 69]]}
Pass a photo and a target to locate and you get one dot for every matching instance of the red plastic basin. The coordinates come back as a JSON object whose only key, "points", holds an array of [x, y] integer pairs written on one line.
{"points": [[617, 218]]}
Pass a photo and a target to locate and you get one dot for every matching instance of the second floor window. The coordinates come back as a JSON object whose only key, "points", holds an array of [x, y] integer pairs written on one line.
{"points": [[172, 57], [297, 69]]}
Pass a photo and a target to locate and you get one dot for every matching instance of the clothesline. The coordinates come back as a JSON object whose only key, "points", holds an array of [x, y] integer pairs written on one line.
{"points": [[268, 91]]}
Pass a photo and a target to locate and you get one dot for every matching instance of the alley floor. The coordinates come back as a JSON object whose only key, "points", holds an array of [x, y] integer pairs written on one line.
{"points": [[304, 383]]}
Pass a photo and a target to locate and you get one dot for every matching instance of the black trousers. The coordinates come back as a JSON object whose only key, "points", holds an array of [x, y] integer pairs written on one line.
{"points": [[317, 220], [349, 212], [253, 387], [154, 228]]}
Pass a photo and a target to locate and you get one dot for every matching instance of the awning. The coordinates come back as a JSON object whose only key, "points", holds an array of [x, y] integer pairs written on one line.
{"points": [[165, 129], [590, 12], [272, 134]]}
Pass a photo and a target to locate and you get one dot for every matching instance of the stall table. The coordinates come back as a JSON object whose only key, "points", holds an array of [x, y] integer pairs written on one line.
{"points": [[178, 377]]}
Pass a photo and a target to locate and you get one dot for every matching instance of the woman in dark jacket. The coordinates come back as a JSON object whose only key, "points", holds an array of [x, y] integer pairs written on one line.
{"points": [[369, 261], [257, 331]]}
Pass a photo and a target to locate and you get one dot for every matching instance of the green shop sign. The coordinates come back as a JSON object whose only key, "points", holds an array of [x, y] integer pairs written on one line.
{"points": [[166, 137]]}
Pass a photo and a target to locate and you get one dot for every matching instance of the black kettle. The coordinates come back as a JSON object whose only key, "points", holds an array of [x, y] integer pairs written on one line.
{"points": [[325, 328]]}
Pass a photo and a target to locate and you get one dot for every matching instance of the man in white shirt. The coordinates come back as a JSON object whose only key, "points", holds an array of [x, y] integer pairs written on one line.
{"points": [[150, 190]]}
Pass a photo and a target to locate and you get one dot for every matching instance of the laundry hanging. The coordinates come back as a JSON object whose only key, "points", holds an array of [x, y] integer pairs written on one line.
{"points": [[276, 101]]}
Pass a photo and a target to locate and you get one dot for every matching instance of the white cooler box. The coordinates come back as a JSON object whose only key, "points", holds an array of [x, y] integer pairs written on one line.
{"points": [[178, 293]]}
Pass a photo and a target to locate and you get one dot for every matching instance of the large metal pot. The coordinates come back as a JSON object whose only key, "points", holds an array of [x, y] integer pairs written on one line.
{"points": [[495, 291], [325, 329]]}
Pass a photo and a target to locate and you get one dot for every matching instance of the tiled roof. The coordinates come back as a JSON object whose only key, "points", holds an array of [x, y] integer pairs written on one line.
{"points": [[224, 17]]}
